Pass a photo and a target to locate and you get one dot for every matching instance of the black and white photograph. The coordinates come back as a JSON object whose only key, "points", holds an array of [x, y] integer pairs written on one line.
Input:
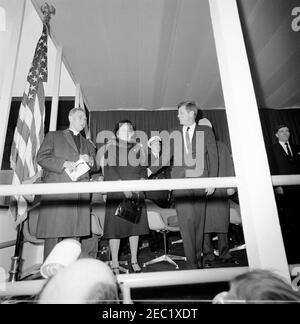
{"points": [[150, 154]]}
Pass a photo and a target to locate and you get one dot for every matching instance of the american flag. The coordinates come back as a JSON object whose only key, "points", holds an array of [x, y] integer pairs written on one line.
{"points": [[29, 132]]}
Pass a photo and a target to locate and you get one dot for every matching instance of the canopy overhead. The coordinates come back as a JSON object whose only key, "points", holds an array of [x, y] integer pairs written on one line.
{"points": [[133, 54]]}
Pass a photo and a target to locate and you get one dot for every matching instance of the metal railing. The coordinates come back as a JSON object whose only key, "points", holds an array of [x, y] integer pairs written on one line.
{"points": [[143, 279], [133, 185]]}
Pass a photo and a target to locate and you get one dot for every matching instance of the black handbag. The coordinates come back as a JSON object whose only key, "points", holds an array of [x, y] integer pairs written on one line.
{"points": [[130, 210]]}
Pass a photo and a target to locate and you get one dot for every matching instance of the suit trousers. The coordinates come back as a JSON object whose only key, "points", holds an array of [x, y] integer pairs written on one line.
{"points": [[223, 247], [190, 207]]}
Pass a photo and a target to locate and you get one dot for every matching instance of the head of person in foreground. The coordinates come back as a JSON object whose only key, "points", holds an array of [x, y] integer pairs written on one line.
{"points": [[86, 281], [258, 286]]}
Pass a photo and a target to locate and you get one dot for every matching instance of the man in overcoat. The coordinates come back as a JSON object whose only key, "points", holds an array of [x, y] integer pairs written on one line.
{"points": [[67, 215]]}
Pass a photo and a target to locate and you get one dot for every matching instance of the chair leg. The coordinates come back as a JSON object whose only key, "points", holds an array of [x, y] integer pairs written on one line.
{"points": [[166, 257], [176, 257], [160, 259], [178, 241], [237, 248]]}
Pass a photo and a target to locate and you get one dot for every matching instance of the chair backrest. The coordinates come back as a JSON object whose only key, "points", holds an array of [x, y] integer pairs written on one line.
{"points": [[157, 222], [98, 214], [235, 213], [98, 217], [30, 225]]}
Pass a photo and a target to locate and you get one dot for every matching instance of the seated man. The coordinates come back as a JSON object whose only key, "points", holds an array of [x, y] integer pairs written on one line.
{"points": [[158, 198], [86, 281]]}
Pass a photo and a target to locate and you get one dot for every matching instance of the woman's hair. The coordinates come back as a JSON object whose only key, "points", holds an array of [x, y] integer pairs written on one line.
{"points": [[261, 285], [121, 123]]}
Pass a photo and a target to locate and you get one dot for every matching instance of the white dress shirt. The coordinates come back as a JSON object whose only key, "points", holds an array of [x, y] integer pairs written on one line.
{"points": [[74, 132], [284, 147], [191, 134]]}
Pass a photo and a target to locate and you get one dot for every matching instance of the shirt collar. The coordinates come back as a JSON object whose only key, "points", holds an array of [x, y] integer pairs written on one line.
{"points": [[283, 143], [192, 127], [73, 131]]}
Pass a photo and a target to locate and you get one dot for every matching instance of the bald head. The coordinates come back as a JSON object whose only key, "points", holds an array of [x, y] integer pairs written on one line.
{"points": [[84, 281]]}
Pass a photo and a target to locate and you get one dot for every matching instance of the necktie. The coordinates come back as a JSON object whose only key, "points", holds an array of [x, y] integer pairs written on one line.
{"points": [[187, 139], [289, 153]]}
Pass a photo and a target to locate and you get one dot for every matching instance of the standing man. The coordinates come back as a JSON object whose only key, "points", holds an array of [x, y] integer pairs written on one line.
{"points": [[284, 158], [68, 215], [190, 142]]}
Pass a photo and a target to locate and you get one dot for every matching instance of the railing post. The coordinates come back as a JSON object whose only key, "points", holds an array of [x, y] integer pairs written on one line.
{"points": [[261, 226]]}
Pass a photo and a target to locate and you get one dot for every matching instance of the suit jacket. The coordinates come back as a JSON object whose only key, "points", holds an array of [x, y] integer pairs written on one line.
{"points": [[281, 163], [159, 197], [202, 161], [217, 205], [63, 215]]}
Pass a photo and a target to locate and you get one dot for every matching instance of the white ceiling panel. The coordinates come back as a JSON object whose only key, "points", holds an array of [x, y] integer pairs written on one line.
{"points": [[152, 54]]}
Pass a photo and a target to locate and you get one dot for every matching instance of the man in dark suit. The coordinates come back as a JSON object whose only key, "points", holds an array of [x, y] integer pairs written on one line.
{"points": [[64, 216], [193, 154], [284, 158]]}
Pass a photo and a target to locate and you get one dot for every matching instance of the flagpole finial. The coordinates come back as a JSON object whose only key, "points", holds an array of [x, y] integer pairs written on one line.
{"points": [[47, 11]]}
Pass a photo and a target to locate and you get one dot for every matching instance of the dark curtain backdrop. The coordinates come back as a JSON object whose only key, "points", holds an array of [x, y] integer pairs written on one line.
{"points": [[148, 121], [157, 121], [166, 120]]}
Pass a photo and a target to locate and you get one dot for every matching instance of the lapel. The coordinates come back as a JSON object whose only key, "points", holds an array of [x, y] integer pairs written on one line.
{"points": [[293, 149], [197, 128], [182, 140], [70, 139], [82, 143]]}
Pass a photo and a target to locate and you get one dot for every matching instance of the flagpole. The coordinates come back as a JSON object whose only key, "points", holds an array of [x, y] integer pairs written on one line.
{"points": [[47, 11], [16, 259]]}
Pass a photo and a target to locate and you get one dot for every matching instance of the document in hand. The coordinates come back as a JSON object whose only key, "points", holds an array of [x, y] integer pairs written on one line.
{"points": [[81, 168]]}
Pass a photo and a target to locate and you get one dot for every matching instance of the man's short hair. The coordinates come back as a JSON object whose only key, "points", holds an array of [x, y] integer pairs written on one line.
{"points": [[75, 109], [280, 126], [189, 106]]}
